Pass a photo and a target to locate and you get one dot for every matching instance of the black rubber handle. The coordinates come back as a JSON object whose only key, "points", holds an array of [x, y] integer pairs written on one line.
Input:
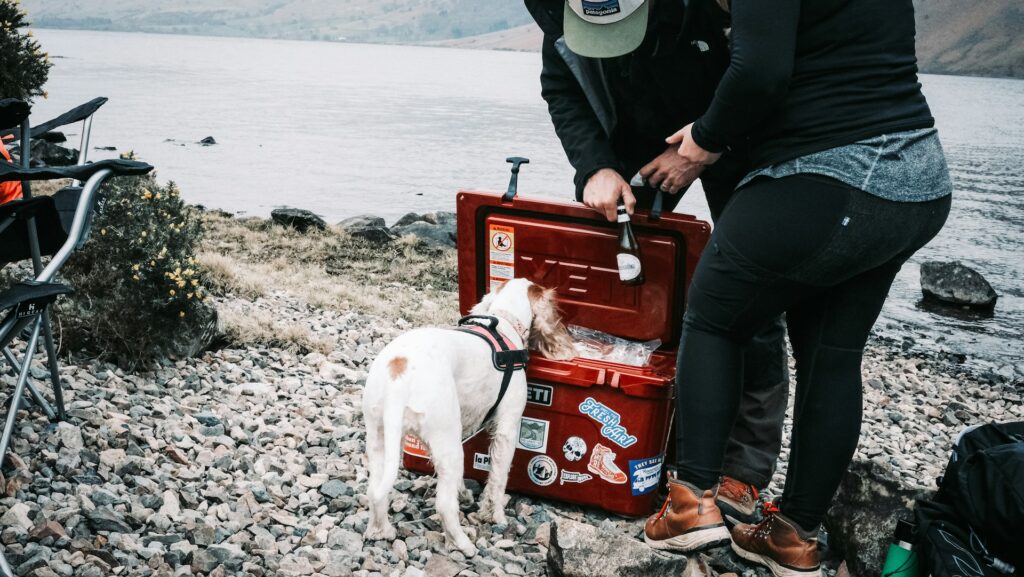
{"points": [[513, 183]]}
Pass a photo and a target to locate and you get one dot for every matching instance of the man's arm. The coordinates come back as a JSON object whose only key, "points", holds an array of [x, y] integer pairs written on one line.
{"points": [[583, 138]]}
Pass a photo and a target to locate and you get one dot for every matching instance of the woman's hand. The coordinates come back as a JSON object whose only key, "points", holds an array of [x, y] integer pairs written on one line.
{"points": [[603, 190], [690, 151], [669, 172]]}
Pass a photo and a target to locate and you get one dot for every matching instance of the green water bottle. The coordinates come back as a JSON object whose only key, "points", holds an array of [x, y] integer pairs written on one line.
{"points": [[901, 560]]}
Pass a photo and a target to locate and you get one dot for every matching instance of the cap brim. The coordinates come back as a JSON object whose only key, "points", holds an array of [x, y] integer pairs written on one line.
{"points": [[605, 40]]}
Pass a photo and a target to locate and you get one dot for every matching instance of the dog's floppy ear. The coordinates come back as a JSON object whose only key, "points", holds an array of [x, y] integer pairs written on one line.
{"points": [[484, 305], [548, 334]]}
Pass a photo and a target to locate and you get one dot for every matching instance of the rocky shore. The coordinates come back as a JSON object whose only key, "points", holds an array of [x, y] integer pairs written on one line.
{"points": [[248, 460]]}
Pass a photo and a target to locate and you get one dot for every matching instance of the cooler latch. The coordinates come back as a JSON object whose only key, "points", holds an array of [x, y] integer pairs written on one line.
{"points": [[513, 183]]}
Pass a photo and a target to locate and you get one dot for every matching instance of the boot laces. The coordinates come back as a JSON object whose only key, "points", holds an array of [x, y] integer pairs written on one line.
{"points": [[764, 528], [661, 512]]}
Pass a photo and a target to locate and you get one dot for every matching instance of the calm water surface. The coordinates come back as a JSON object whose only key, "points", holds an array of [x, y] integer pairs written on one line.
{"points": [[344, 129]]}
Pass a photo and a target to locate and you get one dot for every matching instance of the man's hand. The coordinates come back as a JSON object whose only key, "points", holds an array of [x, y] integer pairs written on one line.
{"points": [[603, 190], [689, 151], [670, 172]]}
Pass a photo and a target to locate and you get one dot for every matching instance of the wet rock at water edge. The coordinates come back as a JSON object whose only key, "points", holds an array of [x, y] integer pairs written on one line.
{"points": [[582, 550], [208, 141], [956, 284], [297, 218]]}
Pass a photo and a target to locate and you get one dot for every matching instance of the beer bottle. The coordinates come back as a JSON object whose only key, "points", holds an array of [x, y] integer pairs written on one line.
{"points": [[631, 272]]}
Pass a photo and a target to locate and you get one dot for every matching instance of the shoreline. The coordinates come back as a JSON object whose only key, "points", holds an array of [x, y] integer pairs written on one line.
{"points": [[251, 456]]}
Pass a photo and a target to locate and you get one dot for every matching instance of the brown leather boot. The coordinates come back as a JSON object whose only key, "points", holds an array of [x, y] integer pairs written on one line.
{"points": [[687, 522], [738, 500], [777, 544]]}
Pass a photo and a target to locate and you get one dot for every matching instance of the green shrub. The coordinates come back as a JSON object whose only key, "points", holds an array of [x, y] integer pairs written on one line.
{"points": [[24, 67], [140, 296]]}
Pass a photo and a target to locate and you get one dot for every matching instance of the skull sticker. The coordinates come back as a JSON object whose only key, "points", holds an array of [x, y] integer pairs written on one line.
{"points": [[574, 448]]}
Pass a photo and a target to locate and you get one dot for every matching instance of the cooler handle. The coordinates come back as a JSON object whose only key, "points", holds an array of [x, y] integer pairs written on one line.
{"points": [[513, 183]]}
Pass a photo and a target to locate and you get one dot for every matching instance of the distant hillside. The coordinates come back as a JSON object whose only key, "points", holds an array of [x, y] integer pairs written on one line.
{"points": [[393, 21], [978, 38]]}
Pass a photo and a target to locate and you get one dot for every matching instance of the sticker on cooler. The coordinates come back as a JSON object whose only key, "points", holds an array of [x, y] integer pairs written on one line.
{"points": [[542, 470], [571, 477], [644, 475], [481, 462], [574, 449], [412, 445], [629, 266], [533, 435], [612, 428], [502, 255], [602, 464]]}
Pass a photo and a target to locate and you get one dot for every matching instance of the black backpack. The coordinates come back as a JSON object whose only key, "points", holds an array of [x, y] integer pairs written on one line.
{"points": [[974, 524]]}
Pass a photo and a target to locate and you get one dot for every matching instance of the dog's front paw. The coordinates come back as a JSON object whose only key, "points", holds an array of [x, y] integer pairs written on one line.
{"points": [[385, 532], [465, 546], [492, 512]]}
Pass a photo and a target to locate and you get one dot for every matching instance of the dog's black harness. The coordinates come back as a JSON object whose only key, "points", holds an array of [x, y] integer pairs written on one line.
{"points": [[505, 358]]}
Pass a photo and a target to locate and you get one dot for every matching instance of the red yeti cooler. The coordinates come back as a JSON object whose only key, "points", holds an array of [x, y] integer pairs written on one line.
{"points": [[594, 432]]}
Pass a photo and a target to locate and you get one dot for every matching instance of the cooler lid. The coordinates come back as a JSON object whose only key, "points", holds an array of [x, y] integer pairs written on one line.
{"points": [[572, 249]]}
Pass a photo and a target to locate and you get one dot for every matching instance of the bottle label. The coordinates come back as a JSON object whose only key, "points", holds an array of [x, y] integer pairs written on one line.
{"points": [[629, 266], [623, 216]]}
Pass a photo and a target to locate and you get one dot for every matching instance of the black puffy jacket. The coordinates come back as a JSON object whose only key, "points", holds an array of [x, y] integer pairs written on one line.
{"points": [[677, 81]]}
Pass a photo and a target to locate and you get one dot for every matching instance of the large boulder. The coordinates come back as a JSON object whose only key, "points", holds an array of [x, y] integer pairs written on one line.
{"points": [[954, 283], [581, 550], [300, 220], [440, 217], [863, 516], [46, 153], [374, 234], [440, 235]]}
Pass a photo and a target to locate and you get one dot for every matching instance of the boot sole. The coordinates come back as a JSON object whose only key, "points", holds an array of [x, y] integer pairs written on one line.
{"points": [[693, 542], [776, 569]]}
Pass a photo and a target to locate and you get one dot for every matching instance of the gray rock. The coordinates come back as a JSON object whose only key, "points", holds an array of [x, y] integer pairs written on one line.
{"points": [[362, 221], [408, 218], [581, 550], [208, 141], [335, 488], [104, 519], [229, 555], [954, 283], [863, 516], [441, 235], [440, 217], [17, 516], [374, 234], [300, 220]]}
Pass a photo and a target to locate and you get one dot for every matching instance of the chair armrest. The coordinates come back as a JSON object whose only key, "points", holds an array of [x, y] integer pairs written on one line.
{"points": [[13, 112], [79, 172], [76, 114]]}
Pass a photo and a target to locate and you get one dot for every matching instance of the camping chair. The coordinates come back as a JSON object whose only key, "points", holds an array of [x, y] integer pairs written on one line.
{"points": [[38, 226]]}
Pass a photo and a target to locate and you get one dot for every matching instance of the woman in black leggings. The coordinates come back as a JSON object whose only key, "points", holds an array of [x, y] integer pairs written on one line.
{"points": [[850, 181]]}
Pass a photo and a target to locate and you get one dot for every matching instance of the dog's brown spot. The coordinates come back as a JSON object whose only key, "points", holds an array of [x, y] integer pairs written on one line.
{"points": [[500, 286], [535, 292], [397, 366]]}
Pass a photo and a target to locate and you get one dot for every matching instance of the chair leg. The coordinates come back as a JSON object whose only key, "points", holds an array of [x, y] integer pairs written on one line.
{"points": [[12, 415], [19, 390], [51, 360], [37, 397]]}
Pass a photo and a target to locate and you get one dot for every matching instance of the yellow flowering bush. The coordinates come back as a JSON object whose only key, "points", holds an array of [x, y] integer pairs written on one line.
{"points": [[139, 294], [23, 65]]}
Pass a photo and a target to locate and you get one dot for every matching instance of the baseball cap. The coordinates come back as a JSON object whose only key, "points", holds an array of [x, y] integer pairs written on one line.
{"points": [[605, 28]]}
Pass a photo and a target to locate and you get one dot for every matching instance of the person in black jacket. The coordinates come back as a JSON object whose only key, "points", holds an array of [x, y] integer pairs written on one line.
{"points": [[612, 109], [849, 180]]}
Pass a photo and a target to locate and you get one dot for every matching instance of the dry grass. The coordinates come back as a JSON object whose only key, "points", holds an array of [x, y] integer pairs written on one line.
{"points": [[251, 257], [260, 327]]}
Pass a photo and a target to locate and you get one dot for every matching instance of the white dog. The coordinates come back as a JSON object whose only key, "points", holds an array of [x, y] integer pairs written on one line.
{"points": [[439, 385]]}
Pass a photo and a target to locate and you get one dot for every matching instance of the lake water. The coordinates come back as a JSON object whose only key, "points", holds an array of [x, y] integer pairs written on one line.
{"points": [[345, 129]]}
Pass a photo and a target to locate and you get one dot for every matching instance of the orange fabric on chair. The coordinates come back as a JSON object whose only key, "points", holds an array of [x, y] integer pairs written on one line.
{"points": [[8, 190]]}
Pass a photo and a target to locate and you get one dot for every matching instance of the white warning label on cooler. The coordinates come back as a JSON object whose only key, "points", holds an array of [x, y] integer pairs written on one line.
{"points": [[501, 254]]}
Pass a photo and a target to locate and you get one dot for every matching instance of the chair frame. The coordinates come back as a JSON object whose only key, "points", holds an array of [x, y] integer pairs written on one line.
{"points": [[13, 326]]}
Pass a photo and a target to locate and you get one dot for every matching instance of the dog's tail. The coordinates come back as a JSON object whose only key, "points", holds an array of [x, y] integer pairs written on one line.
{"points": [[392, 442]]}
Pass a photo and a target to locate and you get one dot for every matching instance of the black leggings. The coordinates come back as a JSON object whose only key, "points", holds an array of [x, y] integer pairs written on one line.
{"points": [[825, 254]]}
